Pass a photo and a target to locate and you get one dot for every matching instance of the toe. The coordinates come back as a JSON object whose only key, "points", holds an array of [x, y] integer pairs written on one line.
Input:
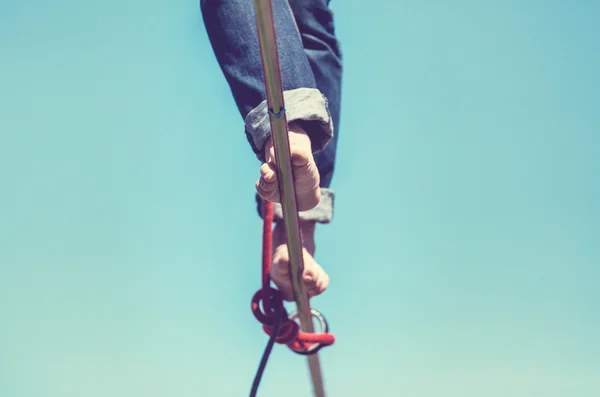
{"points": [[268, 191], [265, 185], [268, 173]]}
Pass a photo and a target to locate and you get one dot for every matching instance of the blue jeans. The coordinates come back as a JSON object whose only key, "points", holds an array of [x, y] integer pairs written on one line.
{"points": [[311, 72]]}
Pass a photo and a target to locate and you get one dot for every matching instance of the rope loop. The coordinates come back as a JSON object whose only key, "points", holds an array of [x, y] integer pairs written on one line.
{"points": [[267, 314], [271, 306], [289, 332]]}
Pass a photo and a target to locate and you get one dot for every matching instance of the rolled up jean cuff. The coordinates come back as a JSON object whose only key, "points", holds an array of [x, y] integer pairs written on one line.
{"points": [[322, 213], [307, 105]]}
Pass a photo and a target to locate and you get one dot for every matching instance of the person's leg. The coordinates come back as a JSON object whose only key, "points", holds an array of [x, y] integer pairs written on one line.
{"points": [[314, 20], [315, 23], [231, 27]]}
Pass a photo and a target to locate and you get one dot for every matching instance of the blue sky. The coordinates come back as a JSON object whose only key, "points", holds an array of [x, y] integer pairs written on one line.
{"points": [[464, 253]]}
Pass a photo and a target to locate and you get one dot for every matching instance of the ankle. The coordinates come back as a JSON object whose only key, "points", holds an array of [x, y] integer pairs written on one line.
{"points": [[307, 231]]}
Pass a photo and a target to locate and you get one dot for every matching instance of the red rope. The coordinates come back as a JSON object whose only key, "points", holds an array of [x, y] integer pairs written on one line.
{"points": [[289, 332]]}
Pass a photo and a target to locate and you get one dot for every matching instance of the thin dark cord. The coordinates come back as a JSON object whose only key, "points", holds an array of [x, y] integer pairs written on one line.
{"points": [[267, 353]]}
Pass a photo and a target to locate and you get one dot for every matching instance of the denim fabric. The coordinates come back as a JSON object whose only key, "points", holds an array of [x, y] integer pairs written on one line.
{"points": [[311, 69]]}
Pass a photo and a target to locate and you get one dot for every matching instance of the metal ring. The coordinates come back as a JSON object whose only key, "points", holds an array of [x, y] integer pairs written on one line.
{"points": [[324, 329]]}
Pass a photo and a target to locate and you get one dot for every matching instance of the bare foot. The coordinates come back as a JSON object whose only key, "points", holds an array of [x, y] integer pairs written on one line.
{"points": [[315, 279], [306, 174]]}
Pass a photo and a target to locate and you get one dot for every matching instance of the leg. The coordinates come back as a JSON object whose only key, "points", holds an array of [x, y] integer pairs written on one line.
{"points": [[314, 20], [315, 23], [231, 27]]}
